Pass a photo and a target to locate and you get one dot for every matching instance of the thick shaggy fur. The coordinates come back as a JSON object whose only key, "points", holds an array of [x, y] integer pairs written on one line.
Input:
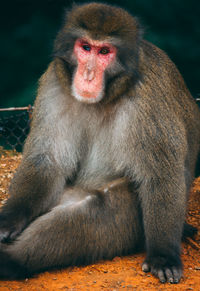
{"points": [[146, 128]]}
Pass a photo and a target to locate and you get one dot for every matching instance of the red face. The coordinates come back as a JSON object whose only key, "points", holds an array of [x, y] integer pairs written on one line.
{"points": [[93, 58]]}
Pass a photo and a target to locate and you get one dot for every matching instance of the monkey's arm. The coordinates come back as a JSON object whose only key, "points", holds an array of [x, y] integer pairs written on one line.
{"points": [[163, 194], [40, 178], [34, 190], [163, 203]]}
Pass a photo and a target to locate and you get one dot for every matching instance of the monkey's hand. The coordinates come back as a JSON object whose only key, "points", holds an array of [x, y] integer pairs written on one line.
{"points": [[10, 227], [166, 269]]}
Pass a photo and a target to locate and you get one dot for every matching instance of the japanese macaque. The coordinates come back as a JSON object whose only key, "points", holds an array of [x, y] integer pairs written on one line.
{"points": [[110, 157]]}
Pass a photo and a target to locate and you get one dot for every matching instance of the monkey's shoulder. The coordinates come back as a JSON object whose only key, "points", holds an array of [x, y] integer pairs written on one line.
{"points": [[155, 54], [157, 68]]}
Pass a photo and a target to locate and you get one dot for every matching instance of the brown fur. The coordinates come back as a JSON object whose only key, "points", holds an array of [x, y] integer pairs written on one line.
{"points": [[146, 128]]}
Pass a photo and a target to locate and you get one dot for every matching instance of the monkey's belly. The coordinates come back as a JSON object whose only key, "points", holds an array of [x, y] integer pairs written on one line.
{"points": [[94, 174]]}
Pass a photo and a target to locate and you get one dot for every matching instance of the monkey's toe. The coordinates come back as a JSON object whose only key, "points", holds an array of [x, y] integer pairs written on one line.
{"points": [[163, 270], [145, 267], [10, 228], [6, 235]]}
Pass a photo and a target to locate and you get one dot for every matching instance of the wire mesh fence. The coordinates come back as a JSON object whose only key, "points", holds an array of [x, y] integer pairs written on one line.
{"points": [[14, 126]]}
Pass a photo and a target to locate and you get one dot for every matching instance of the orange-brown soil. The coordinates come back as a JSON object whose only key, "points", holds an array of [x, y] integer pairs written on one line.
{"points": [[122, 273]]}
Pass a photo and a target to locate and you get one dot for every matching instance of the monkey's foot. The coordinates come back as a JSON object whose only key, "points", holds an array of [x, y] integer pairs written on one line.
{"points": [[10, 228], [10, 269], [164, 269]]}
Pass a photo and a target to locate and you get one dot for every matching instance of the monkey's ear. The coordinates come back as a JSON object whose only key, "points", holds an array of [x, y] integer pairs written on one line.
{"points": [[64, 42], [63, 45]]}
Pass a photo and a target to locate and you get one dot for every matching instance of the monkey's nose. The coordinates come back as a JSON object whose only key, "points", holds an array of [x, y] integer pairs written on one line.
{"points": [[91, 75], [88, 75]]}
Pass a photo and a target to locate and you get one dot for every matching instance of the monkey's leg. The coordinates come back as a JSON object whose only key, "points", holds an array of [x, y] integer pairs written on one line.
{"points": [[86, 226], [164, 203], [35, 188]]}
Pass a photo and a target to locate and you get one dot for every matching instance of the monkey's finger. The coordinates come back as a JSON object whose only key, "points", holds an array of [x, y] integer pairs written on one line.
{"points": [[177, 274], [4, 234], [14, 234], [161, 275], [145, 267], [169, 275]]}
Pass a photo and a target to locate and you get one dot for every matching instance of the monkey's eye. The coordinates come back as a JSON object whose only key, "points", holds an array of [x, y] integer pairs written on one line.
{"points": [[86, 47], [104, 51]]}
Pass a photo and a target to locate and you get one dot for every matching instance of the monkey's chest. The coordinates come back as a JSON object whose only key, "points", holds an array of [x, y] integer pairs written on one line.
{"points": [[99, 165], [109, 151]]}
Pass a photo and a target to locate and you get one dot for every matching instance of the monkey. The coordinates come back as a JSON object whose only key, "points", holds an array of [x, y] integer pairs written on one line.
{"points": [[110, 106]]}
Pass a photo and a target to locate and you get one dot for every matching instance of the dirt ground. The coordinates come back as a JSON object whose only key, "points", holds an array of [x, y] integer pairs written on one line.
{"points": [[122, 273]]}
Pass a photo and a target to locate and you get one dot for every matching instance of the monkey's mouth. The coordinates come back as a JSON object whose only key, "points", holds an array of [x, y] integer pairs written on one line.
{"points": [[87, 92], [86, 95], [88, 89]]}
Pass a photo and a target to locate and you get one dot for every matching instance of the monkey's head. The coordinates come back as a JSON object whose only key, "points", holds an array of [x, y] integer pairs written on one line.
{"points": [[100, 46]]}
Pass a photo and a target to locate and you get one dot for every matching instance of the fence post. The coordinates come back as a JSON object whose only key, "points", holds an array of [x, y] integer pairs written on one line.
{"points": [[30, 111]]}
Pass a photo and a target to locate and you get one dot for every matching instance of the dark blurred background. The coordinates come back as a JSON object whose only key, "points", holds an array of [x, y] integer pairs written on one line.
{"points": [[28, 28]]}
